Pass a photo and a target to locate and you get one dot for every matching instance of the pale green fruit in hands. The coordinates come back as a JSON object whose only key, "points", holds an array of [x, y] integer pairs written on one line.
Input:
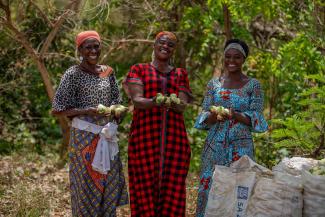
{"points": [[124, 109], [175, 99], [213, 109], [225, 111], [219, 117], [173, 95], [113, 107], [103, 109], [160, 98], [219, 109], [118, 112], [168, 101]]}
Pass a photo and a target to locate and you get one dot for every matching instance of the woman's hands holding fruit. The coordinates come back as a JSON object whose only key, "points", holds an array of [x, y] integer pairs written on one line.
{"points": [[169, 102], [116, 111], [219, 114]]}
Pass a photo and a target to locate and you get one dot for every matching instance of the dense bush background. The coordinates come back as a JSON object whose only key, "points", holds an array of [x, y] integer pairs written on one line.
{"points": [[286, 39]]}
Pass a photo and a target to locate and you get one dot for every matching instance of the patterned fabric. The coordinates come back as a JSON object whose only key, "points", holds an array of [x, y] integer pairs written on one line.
{"points": [[159, 152], [92, 193], [228, 141], [79, 89]]}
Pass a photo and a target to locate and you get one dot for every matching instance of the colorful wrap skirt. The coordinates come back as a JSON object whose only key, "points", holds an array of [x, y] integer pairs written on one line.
{"points": [[92, 193]]}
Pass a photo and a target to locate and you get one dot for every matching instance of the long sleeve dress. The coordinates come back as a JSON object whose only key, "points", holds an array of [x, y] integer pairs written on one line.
{"points": [[229, 140], [159, 151], [92, 193]]}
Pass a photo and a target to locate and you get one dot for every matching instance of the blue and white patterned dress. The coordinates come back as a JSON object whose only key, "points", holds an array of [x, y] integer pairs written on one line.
{"points": [[229, 140]]}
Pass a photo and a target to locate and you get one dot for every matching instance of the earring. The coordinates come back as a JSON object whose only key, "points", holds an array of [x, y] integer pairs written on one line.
{"points": [[153, 56], [81, 58]]}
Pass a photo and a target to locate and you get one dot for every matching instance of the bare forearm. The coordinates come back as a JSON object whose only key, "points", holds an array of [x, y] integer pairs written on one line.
{"points": [[72, 112], [179, 107], [211, 119], [143, 103], [184, 99], [242, 118]]}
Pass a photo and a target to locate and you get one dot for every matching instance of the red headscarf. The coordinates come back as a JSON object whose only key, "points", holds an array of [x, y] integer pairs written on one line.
{"points": [[83, 36], [169, 35]]}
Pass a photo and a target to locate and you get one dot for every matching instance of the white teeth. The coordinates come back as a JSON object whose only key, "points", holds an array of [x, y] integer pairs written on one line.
{"points": [[93, 57], [163, 51]]}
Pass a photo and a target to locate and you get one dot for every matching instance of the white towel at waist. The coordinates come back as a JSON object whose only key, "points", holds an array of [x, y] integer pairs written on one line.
{"points": [[107, 147]]}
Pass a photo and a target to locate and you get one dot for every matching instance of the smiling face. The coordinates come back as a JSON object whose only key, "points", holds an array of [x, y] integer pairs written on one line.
{"points": [[90, 51], [234, 60], [164, 47]]}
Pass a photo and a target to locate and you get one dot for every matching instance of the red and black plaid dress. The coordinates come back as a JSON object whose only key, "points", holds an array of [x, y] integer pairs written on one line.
{"points": [[159, 152]]}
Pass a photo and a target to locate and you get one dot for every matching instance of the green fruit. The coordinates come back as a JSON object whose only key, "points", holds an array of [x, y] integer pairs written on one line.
{"points": [[213, 109], [118, 112], [219, 109], [174, 99], [101, 109], [113, 107], [173, 95], [168, 101], [177, 101], [225, 111], [219, 117], [124, 109], [160, 98]]}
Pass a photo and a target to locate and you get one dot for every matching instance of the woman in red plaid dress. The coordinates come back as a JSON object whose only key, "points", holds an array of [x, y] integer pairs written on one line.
{"points": [[159, 151]]}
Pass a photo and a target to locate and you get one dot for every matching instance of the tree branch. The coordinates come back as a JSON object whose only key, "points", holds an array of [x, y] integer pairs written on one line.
{"points": [[56, 27], [19, 36], [53, 32], [6, 9], [133, 40], [42, 14]]}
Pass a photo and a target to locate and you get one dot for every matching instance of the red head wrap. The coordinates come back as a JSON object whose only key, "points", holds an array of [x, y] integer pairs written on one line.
{"points": [[169, 35], [83, 36]]}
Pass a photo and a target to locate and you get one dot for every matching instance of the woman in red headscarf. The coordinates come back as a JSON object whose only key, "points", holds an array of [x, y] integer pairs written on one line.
{"points": [[96, 181], [159, 151]]}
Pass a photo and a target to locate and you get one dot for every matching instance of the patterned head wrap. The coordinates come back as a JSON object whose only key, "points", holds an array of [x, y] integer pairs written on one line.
{"points": [[169, 35], [83, 36], [236, 46]]}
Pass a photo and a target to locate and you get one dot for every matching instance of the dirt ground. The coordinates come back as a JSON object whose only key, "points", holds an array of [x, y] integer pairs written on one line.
{"points": [[33, 185]]}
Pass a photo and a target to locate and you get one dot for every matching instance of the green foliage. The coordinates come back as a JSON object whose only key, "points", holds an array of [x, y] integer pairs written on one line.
{"points": [[304, 132], [290, 69]]}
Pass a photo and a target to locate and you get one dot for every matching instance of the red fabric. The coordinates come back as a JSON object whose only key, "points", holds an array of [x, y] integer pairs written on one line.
{"points": [[169, 34], [88, 154], [152, 193], [83, 36]]}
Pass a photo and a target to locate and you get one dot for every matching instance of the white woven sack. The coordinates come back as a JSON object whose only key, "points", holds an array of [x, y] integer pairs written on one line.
{"points": [[295, 165], [280, 196], [314, 195], [230, 190]]}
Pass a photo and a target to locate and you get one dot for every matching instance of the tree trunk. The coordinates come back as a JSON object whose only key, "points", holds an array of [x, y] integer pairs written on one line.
{"points": [[38, 58], [226, 16], [64, 123]]}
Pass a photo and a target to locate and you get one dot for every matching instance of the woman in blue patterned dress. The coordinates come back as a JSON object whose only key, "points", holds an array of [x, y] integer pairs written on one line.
{"points": [[229, 135], [95, 191]]}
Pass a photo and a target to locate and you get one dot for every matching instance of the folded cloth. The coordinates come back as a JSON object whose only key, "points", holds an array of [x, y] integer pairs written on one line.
{"points": [[107, 147]]}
